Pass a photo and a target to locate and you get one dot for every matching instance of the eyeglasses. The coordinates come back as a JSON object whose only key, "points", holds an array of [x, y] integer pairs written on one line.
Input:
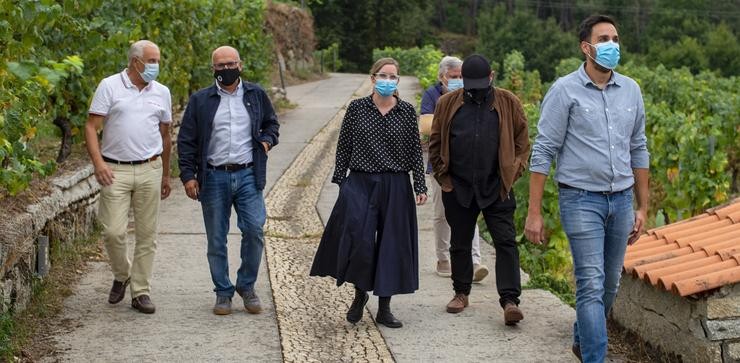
{"points": [[227, 65], [384, 76]]}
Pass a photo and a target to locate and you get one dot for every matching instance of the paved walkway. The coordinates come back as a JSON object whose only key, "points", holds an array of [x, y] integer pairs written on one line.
{"points": [[304, 317]]}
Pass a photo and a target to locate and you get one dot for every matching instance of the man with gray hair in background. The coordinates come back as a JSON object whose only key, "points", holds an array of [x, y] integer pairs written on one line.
{"points": [[132, 166], [450, 79]]}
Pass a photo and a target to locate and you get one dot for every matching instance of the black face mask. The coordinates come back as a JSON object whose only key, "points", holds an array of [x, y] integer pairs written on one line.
{"points": [[476, 95], [227, 77]]}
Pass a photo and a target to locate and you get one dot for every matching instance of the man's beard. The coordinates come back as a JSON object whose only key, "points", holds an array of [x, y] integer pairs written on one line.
{"points": [[598, 66]]}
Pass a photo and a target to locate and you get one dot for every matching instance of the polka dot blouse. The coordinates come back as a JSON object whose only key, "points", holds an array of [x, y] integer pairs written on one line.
{"points": [[373, 143]]}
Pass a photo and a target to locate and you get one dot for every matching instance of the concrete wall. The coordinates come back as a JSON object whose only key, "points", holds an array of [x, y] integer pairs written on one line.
{"points": [[705, 329], [64, 214]]}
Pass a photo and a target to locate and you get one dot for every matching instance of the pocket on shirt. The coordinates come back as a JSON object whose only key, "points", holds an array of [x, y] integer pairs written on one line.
{"points": [[587, 120], [623, 118]]}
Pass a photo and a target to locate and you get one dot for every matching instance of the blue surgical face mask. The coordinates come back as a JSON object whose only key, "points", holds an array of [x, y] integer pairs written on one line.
{"points": [[385, 87], [151, 71], [453, 84], [607, 54]]}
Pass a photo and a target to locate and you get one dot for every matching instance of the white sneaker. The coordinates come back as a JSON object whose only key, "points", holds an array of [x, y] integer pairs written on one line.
{"points": [[444, 269]]}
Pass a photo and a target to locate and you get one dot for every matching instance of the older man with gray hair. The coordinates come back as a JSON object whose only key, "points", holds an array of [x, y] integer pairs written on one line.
{"points": [[132, 166], [450, 79]]}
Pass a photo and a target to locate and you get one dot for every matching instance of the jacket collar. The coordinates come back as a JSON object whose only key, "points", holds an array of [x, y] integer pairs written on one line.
{"points": [[247, 86], [460, 97]]}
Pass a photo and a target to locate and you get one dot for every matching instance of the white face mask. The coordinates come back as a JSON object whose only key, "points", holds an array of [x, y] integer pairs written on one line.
{"points": [[455, 83], [151, 71]]}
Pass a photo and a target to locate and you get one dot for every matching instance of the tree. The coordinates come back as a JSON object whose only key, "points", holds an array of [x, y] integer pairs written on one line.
{"points": [[541, 42], [361, 26]]}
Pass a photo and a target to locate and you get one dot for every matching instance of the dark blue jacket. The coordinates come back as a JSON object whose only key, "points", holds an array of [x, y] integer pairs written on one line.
{"points": [[430, 97], [197, 124]]}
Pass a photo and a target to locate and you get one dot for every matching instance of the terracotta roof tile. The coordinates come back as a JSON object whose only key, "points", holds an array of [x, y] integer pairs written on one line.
{"points": [[697, 222], [734, 217], [691, 256], [654, 275], [667, 281], [704, 227], [641, 270], [707, 282]]}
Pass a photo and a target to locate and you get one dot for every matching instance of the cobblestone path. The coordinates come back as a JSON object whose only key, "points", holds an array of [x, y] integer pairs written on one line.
{"points": [[310, 311]]}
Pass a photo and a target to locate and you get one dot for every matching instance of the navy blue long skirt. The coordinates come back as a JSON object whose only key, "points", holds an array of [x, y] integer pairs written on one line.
{"points": [[371, 239]]}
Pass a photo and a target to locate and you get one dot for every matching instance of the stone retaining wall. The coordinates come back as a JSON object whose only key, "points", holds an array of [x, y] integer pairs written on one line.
{"points": [[697, 329], [65, 214]]}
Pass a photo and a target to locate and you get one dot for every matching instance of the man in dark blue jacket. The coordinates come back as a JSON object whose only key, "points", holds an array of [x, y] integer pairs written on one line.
{"points": [[226, 133]]}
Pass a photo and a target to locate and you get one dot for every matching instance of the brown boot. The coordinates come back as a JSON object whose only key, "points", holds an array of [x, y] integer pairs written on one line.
{"points": [[512, 314], [458, 303]]}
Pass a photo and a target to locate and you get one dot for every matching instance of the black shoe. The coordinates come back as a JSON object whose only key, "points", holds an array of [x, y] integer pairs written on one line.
{"points": [[143, 303], [354, 314], [386, 318], [117, 291]]}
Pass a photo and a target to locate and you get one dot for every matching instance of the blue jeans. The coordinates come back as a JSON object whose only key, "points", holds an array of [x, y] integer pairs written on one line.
{"points": [[221, 191], [597, 226]]}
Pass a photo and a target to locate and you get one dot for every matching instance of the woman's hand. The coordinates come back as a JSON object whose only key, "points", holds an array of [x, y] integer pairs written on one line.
{"points": [[421, 198]]}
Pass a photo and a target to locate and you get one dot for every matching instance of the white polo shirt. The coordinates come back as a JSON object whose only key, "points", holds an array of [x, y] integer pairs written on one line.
{"points": [[132, 117]]}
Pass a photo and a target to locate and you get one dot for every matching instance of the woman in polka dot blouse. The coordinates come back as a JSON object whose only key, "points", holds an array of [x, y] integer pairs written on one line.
{"points": [[371, 238]]}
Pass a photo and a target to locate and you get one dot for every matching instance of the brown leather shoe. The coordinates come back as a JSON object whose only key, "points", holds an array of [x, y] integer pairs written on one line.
{"points": [[512, 314], [117, 291], [458, 303], [143, 303], [577, 352]]}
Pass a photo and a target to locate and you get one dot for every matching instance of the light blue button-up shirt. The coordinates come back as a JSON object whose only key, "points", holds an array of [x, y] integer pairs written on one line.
{"points": [[596, 136], [231, 138]]}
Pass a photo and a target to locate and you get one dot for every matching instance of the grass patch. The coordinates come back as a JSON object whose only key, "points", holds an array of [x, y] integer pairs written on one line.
{"points": [[548, 268], [283, 105], [558, 286], [19, 332]]}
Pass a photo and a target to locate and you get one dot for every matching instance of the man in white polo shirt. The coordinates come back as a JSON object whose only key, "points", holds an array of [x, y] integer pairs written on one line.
{"points": [[131, 165]]}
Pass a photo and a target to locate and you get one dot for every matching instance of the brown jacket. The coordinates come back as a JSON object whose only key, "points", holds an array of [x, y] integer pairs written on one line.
{"points": [[513, 149]]}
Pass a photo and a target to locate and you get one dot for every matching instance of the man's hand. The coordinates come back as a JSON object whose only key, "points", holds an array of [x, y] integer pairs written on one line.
{"points": [[421, 198], [192, 189], [639, 228], [266, 146], [534, 228], [104, 175], [165, 188]]}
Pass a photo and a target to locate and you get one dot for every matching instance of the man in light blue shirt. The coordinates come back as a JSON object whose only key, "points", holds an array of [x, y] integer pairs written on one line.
{"points": [[226, 132], [592, 123]]}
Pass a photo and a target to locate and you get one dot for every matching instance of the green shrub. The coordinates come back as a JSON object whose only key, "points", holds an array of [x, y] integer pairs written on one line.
{"points": [[43, 45], [421, 63]]}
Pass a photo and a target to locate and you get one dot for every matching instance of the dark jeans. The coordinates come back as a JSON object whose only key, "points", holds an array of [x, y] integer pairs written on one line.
{"points": [[499, 218]]}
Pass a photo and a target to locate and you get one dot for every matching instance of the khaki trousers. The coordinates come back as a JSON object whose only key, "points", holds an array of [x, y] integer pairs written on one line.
{"points": [[138, 186], [442, 228]]}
